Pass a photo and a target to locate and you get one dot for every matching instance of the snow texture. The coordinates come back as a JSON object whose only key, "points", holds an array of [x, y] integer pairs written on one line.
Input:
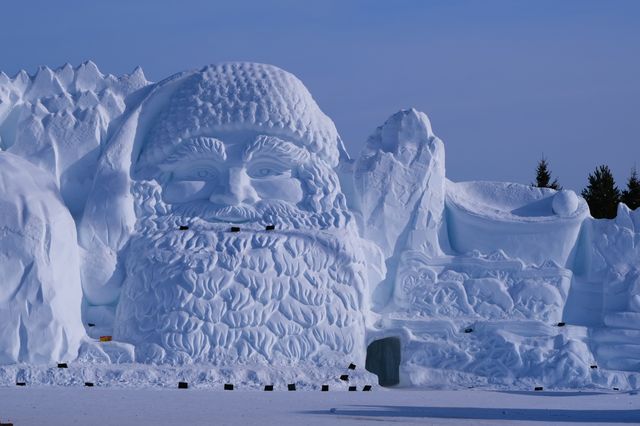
{"points": [[255, 152], [330, 253], [59, 120], [40, 293], [195, 406]]}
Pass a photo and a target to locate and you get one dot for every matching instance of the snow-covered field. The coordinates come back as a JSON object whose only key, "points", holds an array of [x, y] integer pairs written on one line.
{"points": [[100, 406]]}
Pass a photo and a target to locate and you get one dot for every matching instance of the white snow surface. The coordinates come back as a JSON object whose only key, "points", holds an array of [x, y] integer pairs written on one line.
{"points": [[100, 406], [59, 120], [472, 277], [518, 219], [40, 292]]}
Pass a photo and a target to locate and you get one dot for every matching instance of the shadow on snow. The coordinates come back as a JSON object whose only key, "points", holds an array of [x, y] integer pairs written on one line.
{"points": [[531, 414]]}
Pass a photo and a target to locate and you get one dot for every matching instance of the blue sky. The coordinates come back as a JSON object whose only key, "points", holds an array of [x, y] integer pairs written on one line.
{"points": [[502, 81]]}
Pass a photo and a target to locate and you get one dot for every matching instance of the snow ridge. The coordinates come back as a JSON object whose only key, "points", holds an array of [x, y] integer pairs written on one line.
{"points": [[59, 120]]}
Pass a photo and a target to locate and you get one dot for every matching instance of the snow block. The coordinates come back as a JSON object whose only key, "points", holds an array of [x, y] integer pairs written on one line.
{"points": [[40, 293], [399, 180]]}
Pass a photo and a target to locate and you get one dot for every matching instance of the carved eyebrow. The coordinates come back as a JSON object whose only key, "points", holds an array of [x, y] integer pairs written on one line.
{"points": [[196, 149], [273, 147]]}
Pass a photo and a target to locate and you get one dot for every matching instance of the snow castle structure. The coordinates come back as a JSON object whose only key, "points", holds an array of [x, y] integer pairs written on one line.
{"points": [[221, 222]]}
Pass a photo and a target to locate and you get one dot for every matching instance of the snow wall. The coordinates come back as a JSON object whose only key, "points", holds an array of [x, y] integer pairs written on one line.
{"points": [[40, 294], [221, 222]]}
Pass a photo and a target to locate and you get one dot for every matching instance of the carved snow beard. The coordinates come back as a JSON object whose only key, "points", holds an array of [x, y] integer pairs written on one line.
{"points": [[218, 297]]}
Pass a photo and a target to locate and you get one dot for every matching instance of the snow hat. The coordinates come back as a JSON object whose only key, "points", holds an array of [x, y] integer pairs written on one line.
{"points": [[241, 97]]}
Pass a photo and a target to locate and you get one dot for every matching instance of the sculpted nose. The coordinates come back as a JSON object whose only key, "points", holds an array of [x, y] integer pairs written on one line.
{"points": [[238, 189]]}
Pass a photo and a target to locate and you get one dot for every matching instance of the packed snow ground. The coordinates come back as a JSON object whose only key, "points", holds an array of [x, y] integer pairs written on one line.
{"points": [[105, 407]]}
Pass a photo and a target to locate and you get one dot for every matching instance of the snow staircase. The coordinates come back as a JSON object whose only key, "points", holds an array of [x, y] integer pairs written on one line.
{"points": [[617, 345]]}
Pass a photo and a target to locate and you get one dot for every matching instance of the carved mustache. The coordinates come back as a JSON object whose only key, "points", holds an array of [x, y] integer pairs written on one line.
{"points": [[242, 213]]}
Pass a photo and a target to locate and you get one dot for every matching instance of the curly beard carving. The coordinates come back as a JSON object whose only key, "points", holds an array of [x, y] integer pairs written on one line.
{"points": [[276, 297]]}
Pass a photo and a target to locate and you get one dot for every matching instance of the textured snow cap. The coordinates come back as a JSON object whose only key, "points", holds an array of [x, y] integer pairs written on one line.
{"points": [[399, 179], [241, 97], [406, 127], [40, 292], [86, 77]]}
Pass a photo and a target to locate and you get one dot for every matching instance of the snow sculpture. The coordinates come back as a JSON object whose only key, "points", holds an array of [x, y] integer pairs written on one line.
{"points": [[494, 259], [615, 268], [399, 179], [461, 283], [235, 144], [480, 287], [40, 292], [531, 224], [58, 120]]}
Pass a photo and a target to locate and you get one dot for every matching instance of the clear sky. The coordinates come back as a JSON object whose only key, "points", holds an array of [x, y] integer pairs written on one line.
{"points": [[502, 81]]}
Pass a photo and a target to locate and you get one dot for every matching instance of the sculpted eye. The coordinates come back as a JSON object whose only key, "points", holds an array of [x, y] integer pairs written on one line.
{"points": [[266, 172], [195, 172], [263, 171], [205, 173]]}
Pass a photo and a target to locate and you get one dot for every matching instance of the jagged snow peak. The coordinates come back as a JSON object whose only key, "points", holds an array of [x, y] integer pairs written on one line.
{"points": [[59, 120], [221, 222], [399, 179]]}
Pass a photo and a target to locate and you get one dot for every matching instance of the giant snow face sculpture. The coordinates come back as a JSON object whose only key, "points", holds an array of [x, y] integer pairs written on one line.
{"points": [[232, 182], [242, 145], [250, 179]]}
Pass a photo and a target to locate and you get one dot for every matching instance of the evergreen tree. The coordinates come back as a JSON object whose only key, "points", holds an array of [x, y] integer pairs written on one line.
{"points": [[631, 195], [543, 176], [602, 194]]}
